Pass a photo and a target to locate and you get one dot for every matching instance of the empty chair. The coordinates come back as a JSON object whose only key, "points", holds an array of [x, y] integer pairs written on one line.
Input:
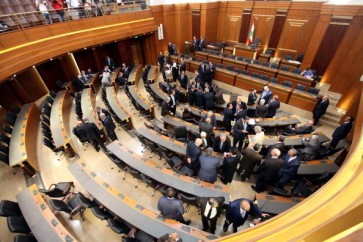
{"points": [[118, 226], [232, 56], [15, 109], [245, 72], [133, 172], [264, 77], [181, 133], [288, 57], [274, 80], [300, 87], [53, 94], [51, 146], [229, 67], [269, 52], [45, 127], [10, 118], [153, 147], [275, 65], [5, 139], [220, 65], [300, 57], [186, 57], [60, 189], [9, 208], [256, 62], [142, 140], [224, 55], [314, 90], [101, 213], [296, 70], [248, 60], [7, 129], [17, 224], [285, 68], [50, 100], [46, 111], [4, 158], [287, 84], [4, 149], [266, 64], [150, 182], [24, 238], [237, 70], [72, 207], [255, 74], [240, 58], [45, 119], [204, 50], [188, 199]]}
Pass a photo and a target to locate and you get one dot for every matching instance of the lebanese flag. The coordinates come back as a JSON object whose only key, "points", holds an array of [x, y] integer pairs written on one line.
{"points": [[250, 36]]}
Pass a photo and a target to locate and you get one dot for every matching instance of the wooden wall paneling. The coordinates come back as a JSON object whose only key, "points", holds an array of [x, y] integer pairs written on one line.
{"points": [[124, 49], [19, 91], [85, 59], [209, 15], [278, 25], [98, 62], [232, 26], [150, 49], [51, 71], [32, 84], [158, 15], [183, 26], [221, 20], [8, 97], [196, 18], [263, 28], [69, 66], [245, 25]]}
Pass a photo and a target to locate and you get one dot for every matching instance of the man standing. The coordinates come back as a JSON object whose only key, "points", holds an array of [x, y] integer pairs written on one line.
{"points": [[110, 63], [171, 207], [109, 126], [172, 103], [228, 117], [266, 94], [261, 109], [250, 158], [273, 106], [208, 166], [222, 144], [210, 211], [342, 131], [212, 117], [289, 168], [320, 108], [201, 43], [208, 99], [93, 135], [193, 153], [229, 166], [183, 79], [240, 130], [238, 212], [161, 61]]}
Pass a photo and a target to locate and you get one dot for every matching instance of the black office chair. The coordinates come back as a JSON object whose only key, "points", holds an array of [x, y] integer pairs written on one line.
{"points": [[135, 173], [45, 127], [255, 74], [46, 111], [17, 224], [150, 182], [274, 65], [224, 55], [266, 64], [264, 77], [7, 129], [9, 208], [53, 94], [60, 189], [25, 238], [256, 62], [314, 90], [9, 119], [296, 70], [50, 100], [269, 52], [245, 72], [73, 206], [229, 67], [287, 84], [166, 155], [220, 66], [181, 133], [4, 158], [285, 68], [118, 226], [45, 119], [11, 115], [288, 57], [300, 87], [274, 80], [153, 148], [248, 60], [237, 70], [142, 140], [51, 146], [188, 199], [15, 109], [101, 213], [5, 139], [4, 149], [232, 57], [240, 58]]}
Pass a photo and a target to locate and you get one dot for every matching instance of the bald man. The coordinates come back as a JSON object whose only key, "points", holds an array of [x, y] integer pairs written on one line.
{"points": [[238, 212]]}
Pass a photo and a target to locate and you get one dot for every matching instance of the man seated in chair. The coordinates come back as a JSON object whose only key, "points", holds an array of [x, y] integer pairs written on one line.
{"points": [[212, 117], [305, 129], [222, 144], [311, 148], [289, 168]]}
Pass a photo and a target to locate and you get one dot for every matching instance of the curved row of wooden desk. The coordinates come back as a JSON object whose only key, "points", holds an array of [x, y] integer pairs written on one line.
{"points": [[123, 206]]}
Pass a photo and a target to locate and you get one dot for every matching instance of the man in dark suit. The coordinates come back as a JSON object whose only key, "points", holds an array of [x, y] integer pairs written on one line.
{"points": [[110, 63], [109, 126], [213, 119], [229, 166], [238, 212], [320, 108], [206, 127], [170, 237], [261, 109], [182, 67], [183, 79], [199, 97], [171, 49], [195, 44], [78, 131], [250, 159], [210, 211], [208, 100], [240, 112], [191, 95], [222, 144], [208, 166], [212, 68], [238, 104], [165, 107], [289, 168], [93, 135], [342, 131], [251, 108], [207, 75], [311, 148], [172, 103], [201, 44], [273, 106], [305, 129], [228, 117], [240, 130], [278, 145], [161, 61], [265, 94], [171, 207], [268, 172], [78, 83], [100, 110], [193, 153]]}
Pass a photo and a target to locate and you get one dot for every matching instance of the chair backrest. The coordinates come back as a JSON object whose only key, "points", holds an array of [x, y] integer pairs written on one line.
{"points": [[5, 139], [256, 62], [224, 55], [269, 52], [287, 84], [4, 158], [220, 65], [15, 109], [267, 64], [248, 60], [314, 90], [275, 66], [288, 57], [4, 149], [255, 74], [300, 87], [237, 70], [285, 68], [229, 67], [296, 70], [264, 77], [211, 43], [49, 144], [274, 80], [245, 72], [180, 132], [240, 58], [232, 56], [7, 129], [300, 57]]}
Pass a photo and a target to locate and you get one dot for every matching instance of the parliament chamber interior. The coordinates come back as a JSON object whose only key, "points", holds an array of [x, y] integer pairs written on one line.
{"points": [[112, 113]]}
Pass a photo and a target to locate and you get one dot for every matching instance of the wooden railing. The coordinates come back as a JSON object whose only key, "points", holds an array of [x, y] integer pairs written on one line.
{"points": [[333, 209]]}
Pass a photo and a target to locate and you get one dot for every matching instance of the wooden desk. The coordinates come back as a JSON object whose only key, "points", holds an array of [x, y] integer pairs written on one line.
{"points": [[248, 82], [292, 64], [113, 77], [23, 147], [59, 122], [282, 91], [40, 219], [194, 65], [88, 103], [228, 50], [303, 100], [276, 204], [167, 176], [247, 52], [264, 70], [68, 86], [117, 108], [153, 74], [94, 83], [157, 90], [211, 47], [126, 208], [294, 78], [316, 167], [136, 95], [201, 55], [279, 122], [235, 63], [264, 57], [217, 59], [135, 75], [225, 76], [295, 140]]}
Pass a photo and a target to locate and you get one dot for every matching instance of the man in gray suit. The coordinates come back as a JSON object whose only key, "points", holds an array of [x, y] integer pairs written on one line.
{"points": [[208, 166], [171, 207], [311, 148]]}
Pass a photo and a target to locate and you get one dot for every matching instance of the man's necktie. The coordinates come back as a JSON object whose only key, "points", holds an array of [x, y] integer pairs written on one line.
{"points": [[209, 212]]}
